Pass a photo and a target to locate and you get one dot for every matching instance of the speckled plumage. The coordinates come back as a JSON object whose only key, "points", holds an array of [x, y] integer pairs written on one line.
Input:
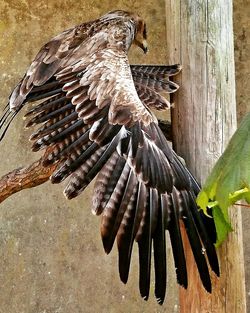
{"points": [[94, 113]]}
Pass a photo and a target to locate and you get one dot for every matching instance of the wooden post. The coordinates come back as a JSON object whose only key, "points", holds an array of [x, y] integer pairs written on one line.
{"points": [[200, 37]]}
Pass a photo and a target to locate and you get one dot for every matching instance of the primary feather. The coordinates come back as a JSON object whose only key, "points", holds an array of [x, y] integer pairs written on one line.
{"points": [[94, 114]]}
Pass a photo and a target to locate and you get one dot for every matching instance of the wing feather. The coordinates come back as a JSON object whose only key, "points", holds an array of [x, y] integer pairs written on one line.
{"points": [[159, 245], [176, 240], [198, 250], [125, 234], [106, 182]]}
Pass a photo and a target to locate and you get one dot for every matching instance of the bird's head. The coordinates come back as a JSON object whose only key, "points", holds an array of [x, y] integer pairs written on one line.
{"points": [[140, 38], [139, 26]]}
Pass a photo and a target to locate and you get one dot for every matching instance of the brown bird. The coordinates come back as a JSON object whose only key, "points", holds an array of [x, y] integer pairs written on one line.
{"points": [[94, 113]]}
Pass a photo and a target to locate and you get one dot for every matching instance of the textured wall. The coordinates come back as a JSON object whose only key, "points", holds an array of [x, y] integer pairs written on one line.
{"points": [[51, 256]]}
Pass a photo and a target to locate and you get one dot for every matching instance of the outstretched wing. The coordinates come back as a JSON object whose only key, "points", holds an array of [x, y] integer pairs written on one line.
{"points": [[97, 125], [52, 56]]}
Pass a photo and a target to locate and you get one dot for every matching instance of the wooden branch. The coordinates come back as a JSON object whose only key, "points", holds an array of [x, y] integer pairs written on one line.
{"points": [[26, 177], [200, 37]]}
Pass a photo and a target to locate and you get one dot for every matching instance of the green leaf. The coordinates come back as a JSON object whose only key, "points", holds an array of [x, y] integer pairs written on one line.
{"points": [[221, 225], [229, 180], [247, 197], [239, 195], [203, 200]]}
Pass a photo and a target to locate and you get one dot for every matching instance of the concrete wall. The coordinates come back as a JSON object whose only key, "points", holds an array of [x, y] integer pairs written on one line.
{"points": [[51, 256]]}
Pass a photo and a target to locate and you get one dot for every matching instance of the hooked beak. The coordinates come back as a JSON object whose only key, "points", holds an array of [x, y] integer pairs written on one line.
{"points": [[144, 46]]}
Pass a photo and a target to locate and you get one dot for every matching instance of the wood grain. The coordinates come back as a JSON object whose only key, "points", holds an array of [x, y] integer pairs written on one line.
{"points": [[200, 37]]}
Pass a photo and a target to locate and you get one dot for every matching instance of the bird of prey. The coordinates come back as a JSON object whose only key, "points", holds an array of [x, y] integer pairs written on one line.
{"points": [[94, 113]]}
